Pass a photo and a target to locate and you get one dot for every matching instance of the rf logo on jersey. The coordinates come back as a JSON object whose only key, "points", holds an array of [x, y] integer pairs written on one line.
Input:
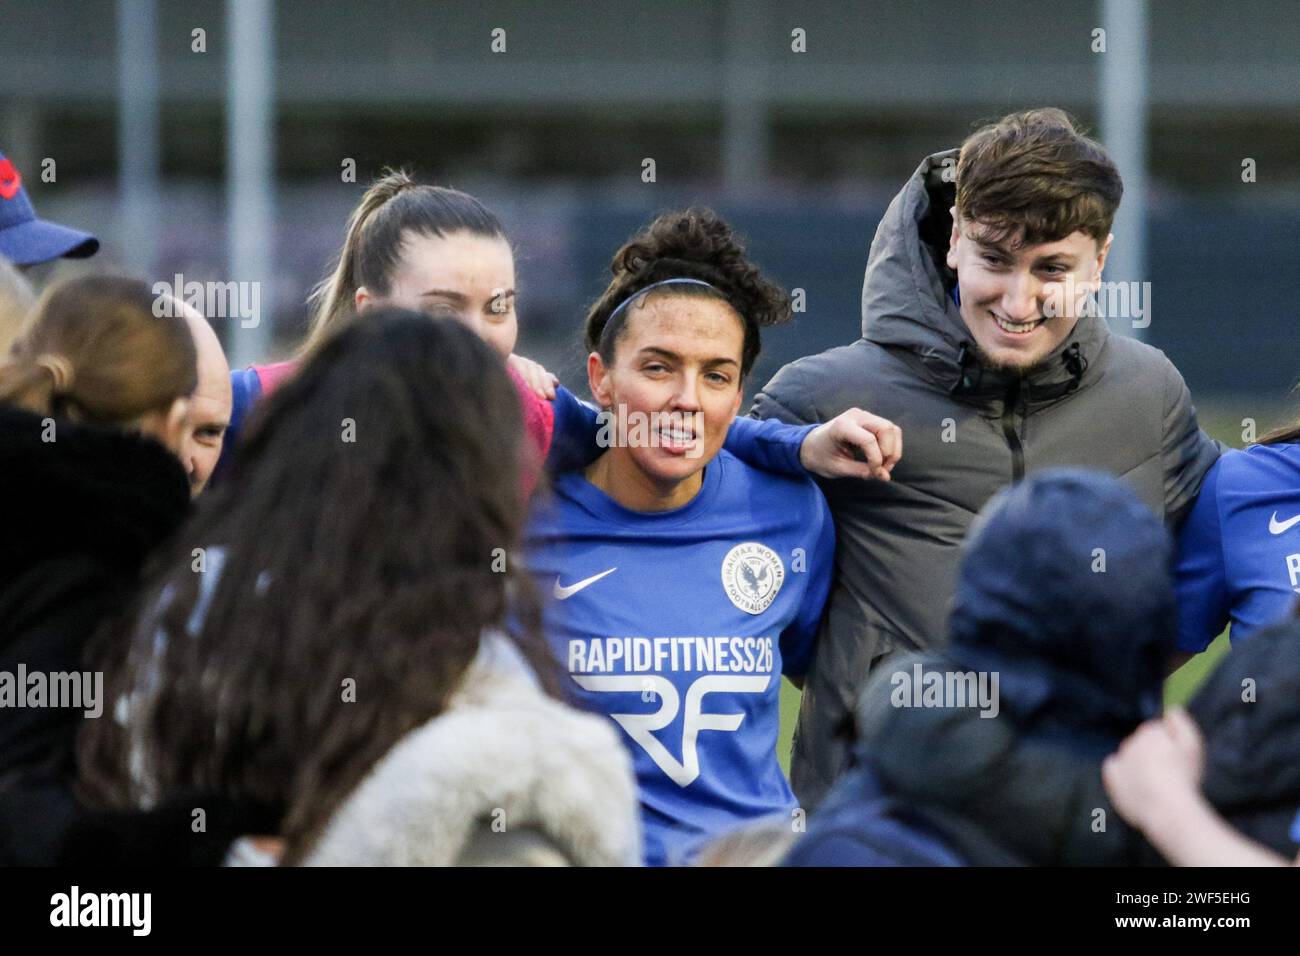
{"points": [[642, 727], [752, 575]]}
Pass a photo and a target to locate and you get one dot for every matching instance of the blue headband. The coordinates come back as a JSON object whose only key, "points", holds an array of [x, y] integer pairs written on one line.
{"points": [[681, 280]]}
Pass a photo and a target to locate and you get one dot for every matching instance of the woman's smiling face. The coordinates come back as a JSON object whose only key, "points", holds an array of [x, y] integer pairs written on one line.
{"points": [[674, 384]]}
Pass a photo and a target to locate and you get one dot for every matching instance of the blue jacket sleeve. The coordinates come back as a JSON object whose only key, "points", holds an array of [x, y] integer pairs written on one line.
{"points": [[767, 445], [1200, 578], [799, 639]]}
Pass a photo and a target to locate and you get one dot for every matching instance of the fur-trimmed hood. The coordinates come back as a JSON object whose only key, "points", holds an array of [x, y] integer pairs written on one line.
{"points": [[505, 775]]}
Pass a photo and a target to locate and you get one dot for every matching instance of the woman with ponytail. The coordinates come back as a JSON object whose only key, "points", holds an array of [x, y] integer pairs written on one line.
{"points": [[430, 249], [93, 416]]}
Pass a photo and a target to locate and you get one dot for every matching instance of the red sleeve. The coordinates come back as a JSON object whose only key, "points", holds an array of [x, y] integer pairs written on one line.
{"points": [[539, 425], [270, 376]]}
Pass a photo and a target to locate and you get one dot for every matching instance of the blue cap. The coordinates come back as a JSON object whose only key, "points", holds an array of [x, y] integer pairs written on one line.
{"points": [[28, 241]]}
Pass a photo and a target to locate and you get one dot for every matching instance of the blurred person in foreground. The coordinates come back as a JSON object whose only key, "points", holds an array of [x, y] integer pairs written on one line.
{"points": [[990, 752], [360, 658], [93, 419], [1219, 783]]}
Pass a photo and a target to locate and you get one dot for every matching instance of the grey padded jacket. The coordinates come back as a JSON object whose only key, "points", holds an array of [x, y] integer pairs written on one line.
{"points": [[1100, 400]]}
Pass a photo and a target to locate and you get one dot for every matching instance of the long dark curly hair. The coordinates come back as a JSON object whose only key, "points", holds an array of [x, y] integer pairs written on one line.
{"points": [[694, 243], [351, 565]]}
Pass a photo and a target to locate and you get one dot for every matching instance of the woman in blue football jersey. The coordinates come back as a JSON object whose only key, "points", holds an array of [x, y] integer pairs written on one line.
{"points": [[684, 581], [1238, 560]]}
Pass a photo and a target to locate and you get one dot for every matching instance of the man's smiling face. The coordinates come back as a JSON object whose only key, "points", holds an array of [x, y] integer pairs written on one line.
{"points": [[1020, 302]]}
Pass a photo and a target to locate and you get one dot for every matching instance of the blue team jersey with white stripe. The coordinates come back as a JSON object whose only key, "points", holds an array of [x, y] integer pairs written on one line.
{"points": [[677, 625], [1239, 550]]}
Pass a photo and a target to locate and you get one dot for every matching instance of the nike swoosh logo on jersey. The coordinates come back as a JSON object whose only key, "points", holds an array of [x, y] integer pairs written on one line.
{"points": [[563, 593], [1277, 527]]}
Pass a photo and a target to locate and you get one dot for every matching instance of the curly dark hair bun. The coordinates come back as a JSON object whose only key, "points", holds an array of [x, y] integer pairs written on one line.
{"points": [[694, 243]]}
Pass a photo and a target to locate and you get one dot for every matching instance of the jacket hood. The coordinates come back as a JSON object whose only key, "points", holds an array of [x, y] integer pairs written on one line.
{"points": [[1065, 590], [997, 794], [503, 764], [1249, 711], [94, 490], [906, 301]]}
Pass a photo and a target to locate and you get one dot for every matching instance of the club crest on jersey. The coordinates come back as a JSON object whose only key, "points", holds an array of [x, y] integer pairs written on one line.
{"points": [[752, 575]]}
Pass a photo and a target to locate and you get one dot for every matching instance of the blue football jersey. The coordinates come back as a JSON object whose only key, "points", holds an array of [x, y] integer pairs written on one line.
{"points": [[678, 624], [1239, 550]]}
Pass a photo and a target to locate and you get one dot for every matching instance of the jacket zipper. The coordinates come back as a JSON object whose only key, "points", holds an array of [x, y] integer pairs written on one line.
{"points": [[1009, 403]]}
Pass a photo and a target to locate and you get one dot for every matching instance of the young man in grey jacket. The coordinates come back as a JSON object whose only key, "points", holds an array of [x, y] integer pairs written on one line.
{"points": [[977, 340]]}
